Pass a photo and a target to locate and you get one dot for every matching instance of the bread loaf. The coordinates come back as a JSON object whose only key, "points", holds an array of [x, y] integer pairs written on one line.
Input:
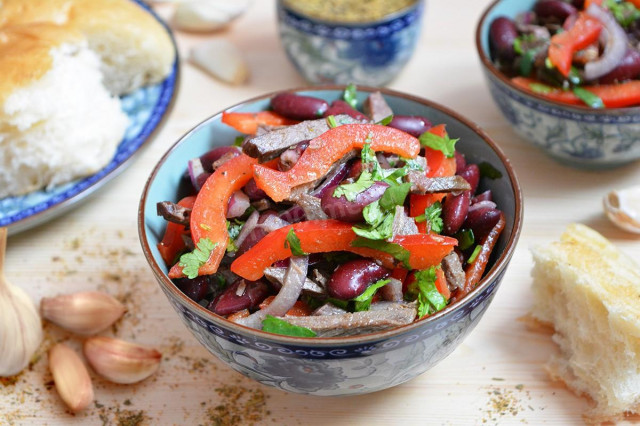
{"points": [[590, 293], [63, 63]]}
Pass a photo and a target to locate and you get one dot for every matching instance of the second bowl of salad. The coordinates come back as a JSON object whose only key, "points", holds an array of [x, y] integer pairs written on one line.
{"points": [[565, 74], [331, 241]]}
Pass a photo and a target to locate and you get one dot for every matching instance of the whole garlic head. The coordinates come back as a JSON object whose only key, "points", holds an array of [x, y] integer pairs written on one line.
{"points": [[20, 325], [622, 207]]}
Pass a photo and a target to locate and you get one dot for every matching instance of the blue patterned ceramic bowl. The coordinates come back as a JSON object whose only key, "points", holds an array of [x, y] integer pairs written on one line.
{"points": [[371, 53], [576, 136], [333, 366]]}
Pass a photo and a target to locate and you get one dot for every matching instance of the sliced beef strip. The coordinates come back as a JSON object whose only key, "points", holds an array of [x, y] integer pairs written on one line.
{"points": [[276, 275], [173, 212], [328, 309], [381, 316], [392, 292], [403, 224], [421, 184], [376, 107], [310, 205], [226, 157], [453, 271], [320, 277], [271, 144]]}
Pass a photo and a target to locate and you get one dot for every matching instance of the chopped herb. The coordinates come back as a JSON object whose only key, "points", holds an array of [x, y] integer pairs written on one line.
{"points": [[342, 304], [351, 190], [192, 261], [394, 196], [233, 229], [350, 95], [293, 242], [624, 12], [487, 170], [412, 164], [540, 88], [476, 252], [465, 238], [238, 141], [205, 226], [371, 290], [526, 62], [432, 215], [429, 298], [367, 154], [588, 98], [275, 325], [379, 224], [574, 76], [440, 143], [547, 62], [331, 121], [385, 121], [395, 250]]}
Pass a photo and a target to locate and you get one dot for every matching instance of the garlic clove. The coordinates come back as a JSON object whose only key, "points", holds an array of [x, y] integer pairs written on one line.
{"points": [[207, 15], [71, 377], [120, 361], [622, 207], [20, 324], [83, 313], [221, 59]]}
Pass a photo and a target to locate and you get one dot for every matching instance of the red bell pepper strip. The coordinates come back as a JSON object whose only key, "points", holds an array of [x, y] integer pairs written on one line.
{"points": [[247, 122], [617, 95], [441, 284], [330, 147], [208, 216], [172, 242], [439, 166], [584, 32], [321, 236]]}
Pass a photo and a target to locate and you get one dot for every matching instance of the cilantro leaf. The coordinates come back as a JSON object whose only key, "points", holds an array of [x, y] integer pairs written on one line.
{"points": [[432, 215], [476, 252], [351, 190], [395, 250], [238, 141], [275, 325], [350, 95], [588, 98], [385, 121], [379, 223], [394, 196], [625, 12], [363, 302], [465, 238], [293, 242], [444, 144], [367, 154], [429, 298], [331, 121], [192, 261], [233, 229]]}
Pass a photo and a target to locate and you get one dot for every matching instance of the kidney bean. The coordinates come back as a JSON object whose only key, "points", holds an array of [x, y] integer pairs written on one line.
{"points": [[214, 155], [341, 107], [352, 278], [481, 221], [461, 162], [195, 289], [471, 173], [351, 211], [485, 196], [454, 211], [356, 169], [628, 68], [298, 107], [253, 192], [502, 33], [554, 9], [413, 124], [228, 302], [256, 234]]}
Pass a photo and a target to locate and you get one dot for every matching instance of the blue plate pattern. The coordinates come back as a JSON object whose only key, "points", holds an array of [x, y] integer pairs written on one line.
{"points": [[145, 109]]}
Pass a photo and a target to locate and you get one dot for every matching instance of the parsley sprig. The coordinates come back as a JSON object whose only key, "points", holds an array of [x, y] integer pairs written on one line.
{"points": [[191, 262], [440, 143], [275, 325], [293, 242], [429, 298], [350, 95], [432, 215]]}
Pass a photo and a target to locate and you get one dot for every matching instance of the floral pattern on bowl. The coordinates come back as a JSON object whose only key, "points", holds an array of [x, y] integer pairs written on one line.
{"points": [[371, 54]]}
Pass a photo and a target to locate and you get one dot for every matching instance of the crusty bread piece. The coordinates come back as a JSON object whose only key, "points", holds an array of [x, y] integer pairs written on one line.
{"points": [[589, 292]]}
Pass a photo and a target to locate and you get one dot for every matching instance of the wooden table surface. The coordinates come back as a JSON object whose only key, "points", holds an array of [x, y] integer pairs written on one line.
{"points": [[495, 377]]}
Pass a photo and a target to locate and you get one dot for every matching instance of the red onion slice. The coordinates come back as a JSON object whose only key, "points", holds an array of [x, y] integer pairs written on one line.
{"points": [[238, 204], [286, 297], [615, 48], [248, 226], [197, 173]]}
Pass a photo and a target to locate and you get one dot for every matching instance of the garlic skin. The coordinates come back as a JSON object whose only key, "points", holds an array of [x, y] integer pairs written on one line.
{"points": [[221, 59], [207, 15], [20, 324], [120, 361], [71, 377], [622, 207], [84, 313]]}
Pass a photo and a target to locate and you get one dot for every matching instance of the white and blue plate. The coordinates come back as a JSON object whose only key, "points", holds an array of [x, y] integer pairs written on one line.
{"points": [[146, 109]]}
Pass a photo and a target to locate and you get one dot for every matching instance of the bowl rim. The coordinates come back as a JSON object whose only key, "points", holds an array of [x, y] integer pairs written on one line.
{"points": [[579, 109], [281, 4], [498, 267]]}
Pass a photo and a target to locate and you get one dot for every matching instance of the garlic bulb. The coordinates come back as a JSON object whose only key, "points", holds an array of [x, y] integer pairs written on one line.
{"points": [[222, 59], [20, 325], [623, 208], [120, 361], [84, 313]]}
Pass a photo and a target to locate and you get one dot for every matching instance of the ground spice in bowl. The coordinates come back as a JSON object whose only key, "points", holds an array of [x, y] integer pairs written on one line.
{"points": [[348, 10]]}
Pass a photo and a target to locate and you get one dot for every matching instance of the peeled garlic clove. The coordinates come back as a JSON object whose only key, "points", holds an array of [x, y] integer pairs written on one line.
{"points": [[207, 15], [71, 377], [20, 324], [623, 208], [83, 313], [221, 59], [120, 361]]}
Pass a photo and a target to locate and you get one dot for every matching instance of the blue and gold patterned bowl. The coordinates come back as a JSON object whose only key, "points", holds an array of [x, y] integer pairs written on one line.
{"points": [[345, 365], [370, 53], [574, 135]]}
